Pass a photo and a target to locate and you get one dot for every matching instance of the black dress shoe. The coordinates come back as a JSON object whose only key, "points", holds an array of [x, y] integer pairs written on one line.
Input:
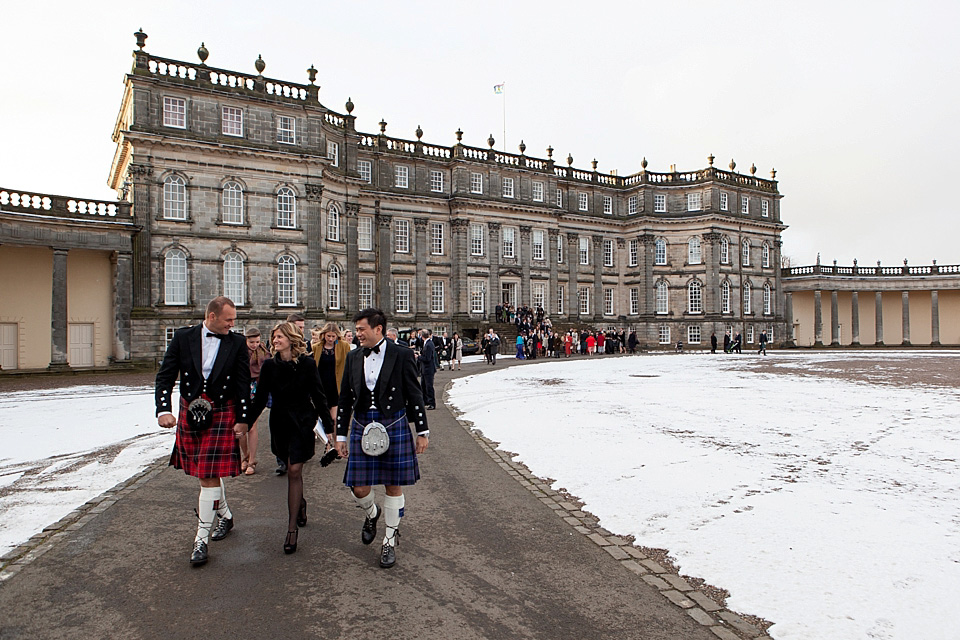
{"points": [[290, 542], [199, 555], [431, 406], [369, 531], [302, 514], [388, 556], [223, 528], [282, 469]]}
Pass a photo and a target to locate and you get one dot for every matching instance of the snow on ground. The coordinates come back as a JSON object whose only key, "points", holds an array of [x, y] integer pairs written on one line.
{"points": [[829, 506], [62, 447]]}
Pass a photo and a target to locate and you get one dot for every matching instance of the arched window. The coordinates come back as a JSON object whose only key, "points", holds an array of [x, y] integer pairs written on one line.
{"points": [[724, 250], [694, 254], [286, 208], [233, 278], [725, 297], [333, 222], [660, 256], [232, 204], [695, 297], [745, 253], [333, 287], [746, 298], [286, 281], [765, 254], [767, 299], [661, 297], [174, 198], [175, 277]]}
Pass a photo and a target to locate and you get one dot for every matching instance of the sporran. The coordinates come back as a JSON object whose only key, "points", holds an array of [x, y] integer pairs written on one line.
{"points": [[200, 414], [375, 440]]}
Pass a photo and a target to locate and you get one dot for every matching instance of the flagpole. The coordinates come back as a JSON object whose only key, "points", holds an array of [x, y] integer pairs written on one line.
{"points": [[504, 95]]}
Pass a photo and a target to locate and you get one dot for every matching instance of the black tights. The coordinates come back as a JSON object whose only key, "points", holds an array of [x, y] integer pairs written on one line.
{"points": [[294, 492]]}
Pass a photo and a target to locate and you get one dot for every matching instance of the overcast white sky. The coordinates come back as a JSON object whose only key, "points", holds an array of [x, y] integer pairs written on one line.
{"points": [[854, 103]]}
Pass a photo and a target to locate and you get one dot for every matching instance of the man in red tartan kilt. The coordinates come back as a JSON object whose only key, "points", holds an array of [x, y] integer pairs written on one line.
{"points": [[380, 387], [212, 364]]}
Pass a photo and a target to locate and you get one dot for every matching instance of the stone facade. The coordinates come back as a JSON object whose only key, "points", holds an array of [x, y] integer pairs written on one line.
{"points": [[266, 195]]}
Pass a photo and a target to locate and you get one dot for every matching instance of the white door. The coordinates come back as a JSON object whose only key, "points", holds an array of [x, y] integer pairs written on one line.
{"points": [[81, 345], [8, 346]]}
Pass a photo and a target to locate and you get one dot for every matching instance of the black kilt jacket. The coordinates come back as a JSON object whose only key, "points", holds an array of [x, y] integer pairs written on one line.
{"points": [[229, 379], [397, 388]]}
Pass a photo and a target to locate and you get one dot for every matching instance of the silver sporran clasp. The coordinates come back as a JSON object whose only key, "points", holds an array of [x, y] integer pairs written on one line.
{"points": [[375, 440]]}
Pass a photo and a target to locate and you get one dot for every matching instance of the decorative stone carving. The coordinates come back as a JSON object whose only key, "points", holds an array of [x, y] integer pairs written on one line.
{"points": [[352, 209], [313, 192]]}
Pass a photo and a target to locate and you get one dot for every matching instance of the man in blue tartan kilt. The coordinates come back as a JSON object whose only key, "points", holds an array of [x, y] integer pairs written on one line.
{"points": [[380, 386]]}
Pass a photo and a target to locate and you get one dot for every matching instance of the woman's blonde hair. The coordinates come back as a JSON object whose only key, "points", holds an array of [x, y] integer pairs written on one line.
{"points": [[298, 345], [330, 327]]}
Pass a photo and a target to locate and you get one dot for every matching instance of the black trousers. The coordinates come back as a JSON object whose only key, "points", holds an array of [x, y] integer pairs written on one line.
{"points": [[426, 385]]}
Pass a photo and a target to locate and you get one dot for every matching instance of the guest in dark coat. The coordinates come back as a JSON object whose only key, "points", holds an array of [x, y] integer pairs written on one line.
{"points": [[428, 369], [292, 379]]}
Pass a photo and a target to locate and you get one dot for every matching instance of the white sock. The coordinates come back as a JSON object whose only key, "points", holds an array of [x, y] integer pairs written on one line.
{"points": [[392, 512], [368, 504], [206, 509], [223, 511]]}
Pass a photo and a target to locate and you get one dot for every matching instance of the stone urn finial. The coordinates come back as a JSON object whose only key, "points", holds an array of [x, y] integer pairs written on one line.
{"points": [[312, 74], [141, 38], [550, 152], [594, 163], [522, 147], [349, 105], [753, 169], [202, 53], [773, 174], [419, 132], [710, 159], [491, 141], [459, 134], [383, 126], [260, 64], [570, 159], [643, 163], [733, 165]]}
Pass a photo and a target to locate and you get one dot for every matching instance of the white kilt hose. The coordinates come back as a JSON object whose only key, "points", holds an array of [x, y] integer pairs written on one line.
{"points": [[397, 466]]}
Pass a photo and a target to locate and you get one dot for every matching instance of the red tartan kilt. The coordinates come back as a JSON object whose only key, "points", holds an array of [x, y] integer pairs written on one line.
{"points": [[212, 453]]}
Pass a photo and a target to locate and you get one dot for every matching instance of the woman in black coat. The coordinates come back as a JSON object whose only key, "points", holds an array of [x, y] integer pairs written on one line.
{"points": [[291, 378]]}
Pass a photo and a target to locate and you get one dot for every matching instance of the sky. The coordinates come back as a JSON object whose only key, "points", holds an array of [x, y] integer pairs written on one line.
{"points": [[851, 102], [830, 508]]}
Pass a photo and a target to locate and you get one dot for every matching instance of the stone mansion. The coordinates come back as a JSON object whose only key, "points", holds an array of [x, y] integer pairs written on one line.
{"points": [[238, 184]]}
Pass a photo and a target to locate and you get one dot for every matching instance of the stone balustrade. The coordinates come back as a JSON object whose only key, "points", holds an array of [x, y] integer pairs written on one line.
{"points": [[857, 270], [15, 201]]}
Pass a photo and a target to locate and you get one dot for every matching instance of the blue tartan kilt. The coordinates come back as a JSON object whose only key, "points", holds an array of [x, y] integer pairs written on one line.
{"points": [[398, 466]]}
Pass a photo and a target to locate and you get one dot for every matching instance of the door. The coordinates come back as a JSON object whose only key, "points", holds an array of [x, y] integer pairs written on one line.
{"points": [[509, 295], [8, 345], [81, 345]]}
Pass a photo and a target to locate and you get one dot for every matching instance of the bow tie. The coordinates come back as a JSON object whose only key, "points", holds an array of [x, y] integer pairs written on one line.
{"points": [[368, 350], [218, 336]]}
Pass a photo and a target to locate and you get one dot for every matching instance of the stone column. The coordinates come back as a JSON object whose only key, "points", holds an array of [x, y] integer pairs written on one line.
{"points": [[312, 216], [524, 254], [788, 318], [459, 288], [552, 295], [141, 176], [598, 278], [879, 308], [422, 287], [58, 312], [905, 306], [711, 292], [855, 318], [122, 267], [573, 258], [494, 294], [934, 318], [351, 279], [648, 242], [384, 249], [817, 320], [835, 320], [620, 296]]}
